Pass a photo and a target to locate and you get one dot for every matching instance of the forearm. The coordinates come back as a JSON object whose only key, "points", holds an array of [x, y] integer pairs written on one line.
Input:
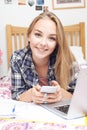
{"points": [[25, 96]]}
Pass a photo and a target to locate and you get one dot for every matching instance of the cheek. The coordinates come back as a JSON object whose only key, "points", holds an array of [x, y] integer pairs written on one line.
{"points": [[52, 47], [32, 41]]}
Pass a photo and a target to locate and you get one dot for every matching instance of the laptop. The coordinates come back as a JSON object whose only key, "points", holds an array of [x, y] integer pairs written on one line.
{"points": [[75, 107]]}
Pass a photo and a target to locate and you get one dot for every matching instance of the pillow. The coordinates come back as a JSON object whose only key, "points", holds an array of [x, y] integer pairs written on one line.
{"points": [[77, 51]]}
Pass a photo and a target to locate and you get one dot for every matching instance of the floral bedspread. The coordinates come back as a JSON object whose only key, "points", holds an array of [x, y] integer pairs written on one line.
{"points": [[5, 87], [34, 125]]}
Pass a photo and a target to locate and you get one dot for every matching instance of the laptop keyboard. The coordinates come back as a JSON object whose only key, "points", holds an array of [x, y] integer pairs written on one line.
{"points": [[63, 109]]}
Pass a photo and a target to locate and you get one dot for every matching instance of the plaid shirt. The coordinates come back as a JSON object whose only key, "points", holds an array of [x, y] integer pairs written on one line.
{"points": [[23, 73]]}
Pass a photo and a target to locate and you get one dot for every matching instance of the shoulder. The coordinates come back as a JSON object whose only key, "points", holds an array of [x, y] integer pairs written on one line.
{"points": [[20, 54], [21, 57]]}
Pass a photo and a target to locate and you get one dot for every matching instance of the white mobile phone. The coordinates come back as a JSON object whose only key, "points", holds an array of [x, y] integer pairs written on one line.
{"points": [[48, 89]]}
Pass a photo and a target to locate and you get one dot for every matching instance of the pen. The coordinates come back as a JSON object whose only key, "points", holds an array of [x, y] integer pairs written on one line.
{"points": [[9, 115], [13, 109], [13, 114]]}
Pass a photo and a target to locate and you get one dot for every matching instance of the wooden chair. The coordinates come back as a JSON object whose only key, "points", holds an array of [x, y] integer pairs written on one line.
{"points": [[16, 37]]}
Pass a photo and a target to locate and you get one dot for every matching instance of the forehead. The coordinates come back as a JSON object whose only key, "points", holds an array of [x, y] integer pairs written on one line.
{"points": [[45, 24]]}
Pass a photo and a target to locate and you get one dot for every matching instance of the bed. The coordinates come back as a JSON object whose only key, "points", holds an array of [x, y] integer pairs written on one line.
{"points": [[75, 35], [16, 39]]}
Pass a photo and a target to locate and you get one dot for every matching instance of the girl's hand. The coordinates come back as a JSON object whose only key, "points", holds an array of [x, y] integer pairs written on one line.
{"points": [[59, 95], [55, 97], [38, 97]]}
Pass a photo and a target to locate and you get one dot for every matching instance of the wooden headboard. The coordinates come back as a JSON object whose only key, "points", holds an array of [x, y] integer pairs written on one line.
{"points": [[75, 35], [16, 37]]}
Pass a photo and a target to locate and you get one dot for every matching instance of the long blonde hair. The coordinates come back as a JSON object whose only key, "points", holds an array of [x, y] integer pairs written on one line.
{"points": [[64, 57]]}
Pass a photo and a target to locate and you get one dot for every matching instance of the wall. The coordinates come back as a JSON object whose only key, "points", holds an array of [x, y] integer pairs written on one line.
{"points": [[22, 15]]}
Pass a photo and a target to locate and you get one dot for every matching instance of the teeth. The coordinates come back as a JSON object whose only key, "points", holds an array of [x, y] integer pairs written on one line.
{"points": [[41, 50]]}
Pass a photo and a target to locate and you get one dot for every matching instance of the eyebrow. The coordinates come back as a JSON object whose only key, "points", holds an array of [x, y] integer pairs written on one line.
{"points": [[38, 30], [42, 32]]}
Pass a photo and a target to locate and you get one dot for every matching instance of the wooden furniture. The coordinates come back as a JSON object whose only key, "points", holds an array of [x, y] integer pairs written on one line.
{"points": [[16, 37], [75, 35]]}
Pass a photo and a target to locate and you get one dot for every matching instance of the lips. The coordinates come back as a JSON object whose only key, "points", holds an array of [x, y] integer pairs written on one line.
{"points": [[41, 50]]}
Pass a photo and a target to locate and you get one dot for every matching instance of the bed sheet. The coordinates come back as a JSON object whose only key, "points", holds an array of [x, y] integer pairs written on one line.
{"points": [[5, 87]]}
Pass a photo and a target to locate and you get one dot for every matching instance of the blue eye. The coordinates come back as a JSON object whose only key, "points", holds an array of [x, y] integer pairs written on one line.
{"points": [[37, 34], [52, 38]]}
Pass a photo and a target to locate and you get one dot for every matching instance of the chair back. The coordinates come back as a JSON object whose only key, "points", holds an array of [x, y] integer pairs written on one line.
{"points": [[16, 39]]}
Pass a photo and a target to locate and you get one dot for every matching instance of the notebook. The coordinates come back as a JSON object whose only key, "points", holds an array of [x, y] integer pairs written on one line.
{"points": [[75, 107]]}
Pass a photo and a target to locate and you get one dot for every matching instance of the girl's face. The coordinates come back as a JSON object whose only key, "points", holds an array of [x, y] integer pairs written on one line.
{"points": [[43, 38]]}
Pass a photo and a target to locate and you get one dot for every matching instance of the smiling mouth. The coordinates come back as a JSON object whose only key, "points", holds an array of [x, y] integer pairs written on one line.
{"points": [[41, 49]]}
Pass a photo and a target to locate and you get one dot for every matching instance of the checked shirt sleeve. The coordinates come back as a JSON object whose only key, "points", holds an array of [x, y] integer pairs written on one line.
{"points": [[18, 84]]}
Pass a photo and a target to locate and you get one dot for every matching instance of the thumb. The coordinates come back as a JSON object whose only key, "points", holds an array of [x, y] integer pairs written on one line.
{"points": [[54, 83], [37, 87]]}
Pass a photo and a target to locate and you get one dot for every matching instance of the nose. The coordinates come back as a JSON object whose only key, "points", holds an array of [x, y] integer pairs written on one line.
{"points": [[43, 42]]}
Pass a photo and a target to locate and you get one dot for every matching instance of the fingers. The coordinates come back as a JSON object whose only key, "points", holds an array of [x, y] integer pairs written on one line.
{"points": [[39, 98], [44, 99], [47, 98], [37, 87], [54, 83], [52, 98]]}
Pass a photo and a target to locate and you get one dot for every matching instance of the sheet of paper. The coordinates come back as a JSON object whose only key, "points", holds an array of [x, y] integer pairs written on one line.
{"points": [[7, 108], [32, 112]]}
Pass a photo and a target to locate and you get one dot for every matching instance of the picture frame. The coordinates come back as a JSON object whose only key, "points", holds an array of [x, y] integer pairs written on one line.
{"points": [[8, 1], [68, 4]]}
